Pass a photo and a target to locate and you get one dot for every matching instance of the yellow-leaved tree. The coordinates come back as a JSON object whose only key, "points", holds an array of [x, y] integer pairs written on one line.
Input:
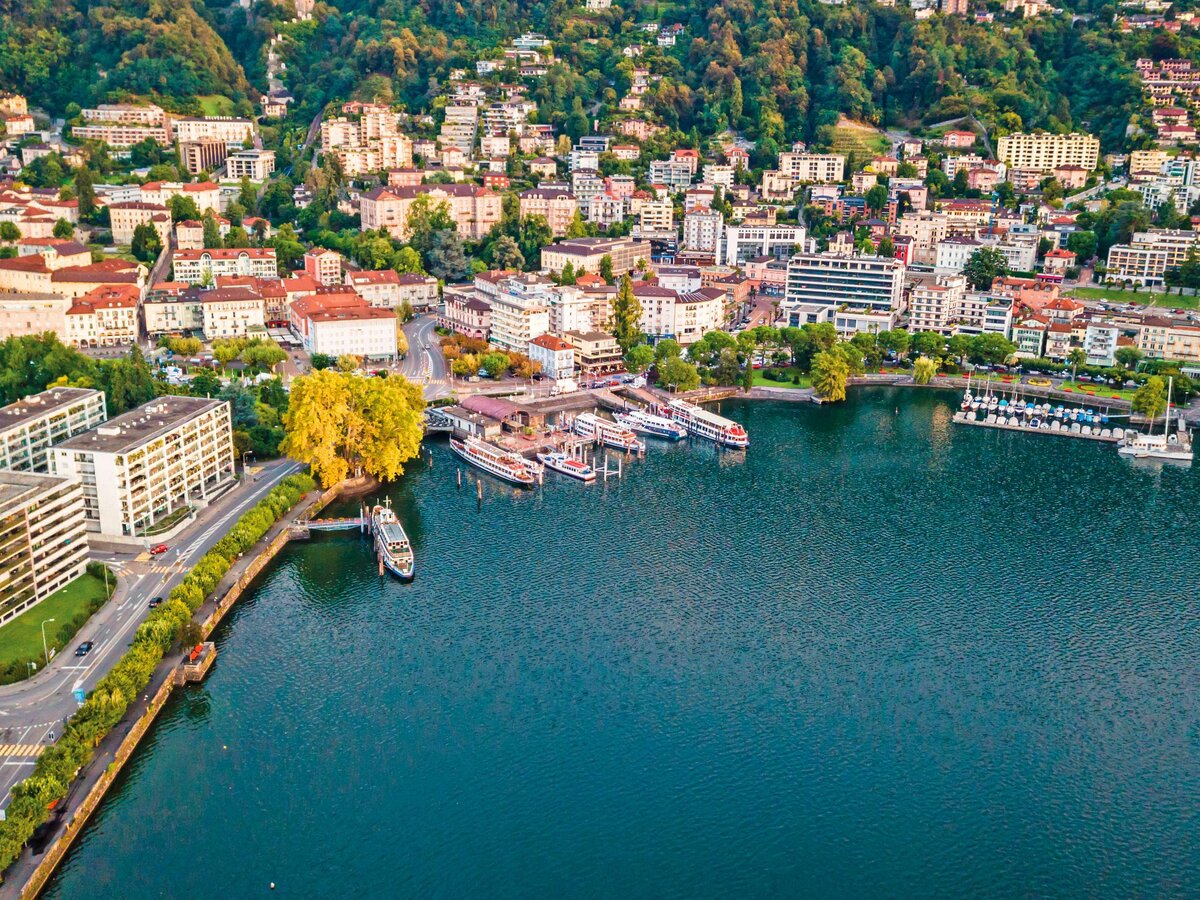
{"points": [[341, 424]]}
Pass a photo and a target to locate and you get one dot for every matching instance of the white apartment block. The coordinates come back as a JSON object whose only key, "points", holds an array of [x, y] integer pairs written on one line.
{"points": [[257, 165], [214, 128], [141, 466], [365, 331], [813, 168], [675, 174], [201, 266], [520, 311], [656, 219], [555, 356], [1046, 152], [31, 426], [701, 231], [43, 538], [739, 243], [1148, 255]]}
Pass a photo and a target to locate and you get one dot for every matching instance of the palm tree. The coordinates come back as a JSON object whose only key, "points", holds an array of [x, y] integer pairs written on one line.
{"points": [[1076, 358]]}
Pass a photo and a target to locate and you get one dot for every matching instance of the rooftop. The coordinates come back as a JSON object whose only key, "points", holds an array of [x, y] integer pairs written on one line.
{"points": [[19, 488], [38, 405], [139, 426]]}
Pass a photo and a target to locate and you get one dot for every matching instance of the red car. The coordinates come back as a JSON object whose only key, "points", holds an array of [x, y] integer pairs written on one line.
{"points": [[159, 548]]}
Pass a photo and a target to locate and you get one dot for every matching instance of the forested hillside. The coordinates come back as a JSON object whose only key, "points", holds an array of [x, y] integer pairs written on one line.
{"points": [[776, 70]]}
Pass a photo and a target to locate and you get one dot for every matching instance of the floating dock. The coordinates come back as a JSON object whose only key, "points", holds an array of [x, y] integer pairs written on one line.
{"points": [[1053, 426]]}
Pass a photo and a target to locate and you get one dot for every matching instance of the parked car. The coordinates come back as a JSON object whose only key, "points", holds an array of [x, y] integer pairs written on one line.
{"points": [[84, 649], [156, 601], [159, 549]]}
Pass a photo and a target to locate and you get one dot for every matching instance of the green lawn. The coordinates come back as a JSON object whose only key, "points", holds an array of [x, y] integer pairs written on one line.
{"points": [[216, 105], [1142, 298], [761, 380], [70, 607], [1102, 391]]}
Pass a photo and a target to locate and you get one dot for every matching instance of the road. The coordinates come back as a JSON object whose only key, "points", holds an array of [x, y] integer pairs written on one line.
{"points": [[425, 365], [30, 711]]}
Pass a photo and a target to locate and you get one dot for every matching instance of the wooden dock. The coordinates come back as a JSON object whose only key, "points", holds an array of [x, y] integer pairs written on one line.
{"points": [[1102, 433]]}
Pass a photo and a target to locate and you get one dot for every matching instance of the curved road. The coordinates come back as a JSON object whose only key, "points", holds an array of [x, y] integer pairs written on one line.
{"points": [[33, 709], [425, 364]]}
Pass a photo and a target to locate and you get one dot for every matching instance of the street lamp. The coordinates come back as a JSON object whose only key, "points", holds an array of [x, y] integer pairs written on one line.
{"points": [[45, 649], [245, 453]]}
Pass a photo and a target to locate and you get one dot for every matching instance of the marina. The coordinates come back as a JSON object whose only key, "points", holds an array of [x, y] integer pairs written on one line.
{"points": [[607, 433]]}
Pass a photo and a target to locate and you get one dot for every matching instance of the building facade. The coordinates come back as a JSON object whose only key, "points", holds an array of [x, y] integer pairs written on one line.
{"points": [[34, 424]]}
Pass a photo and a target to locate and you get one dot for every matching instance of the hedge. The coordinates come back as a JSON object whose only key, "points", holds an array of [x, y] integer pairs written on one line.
{"points": [[108, 702]]}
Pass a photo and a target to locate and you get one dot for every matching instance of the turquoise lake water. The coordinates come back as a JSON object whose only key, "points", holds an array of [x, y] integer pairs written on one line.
{"points": [[878, 654]]}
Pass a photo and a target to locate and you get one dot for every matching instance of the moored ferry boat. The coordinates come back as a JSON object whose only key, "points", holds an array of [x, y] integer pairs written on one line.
{"points": [[708, 425], [647, 423], [611, 434], [567, 465], [504, 464], [391, 543]]}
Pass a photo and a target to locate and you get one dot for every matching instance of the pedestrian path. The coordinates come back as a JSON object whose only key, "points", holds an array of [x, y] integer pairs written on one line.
{"points": [[22, 749]]}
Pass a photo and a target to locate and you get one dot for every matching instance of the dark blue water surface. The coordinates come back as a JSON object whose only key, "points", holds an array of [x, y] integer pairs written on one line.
{"points": [[878, 654]]}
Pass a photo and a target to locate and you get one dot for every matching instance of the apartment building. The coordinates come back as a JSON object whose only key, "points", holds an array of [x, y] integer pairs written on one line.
{"points": [[126, 217], [324, 266], [520, 311], [702, 230], [865, 292], [31, 426], [227, 129], [656, 220], [202, 156], [674, 174], [596, 353], [172, 311], [463, 312], [106, 316], [557, 205], [257, 165], [684, 317], [43, 538], [1149, 254], [23, 314], [204, 266], [475, 210], [1163, 338], [141, 466], [361, 330], [121, 136], [812, 168], [927, 230], [1046, 152], [231, 312], [555, 356], [586, 254]]}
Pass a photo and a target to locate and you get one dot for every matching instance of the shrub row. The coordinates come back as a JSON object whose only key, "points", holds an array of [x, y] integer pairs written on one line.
{"points": [[105, 706]]}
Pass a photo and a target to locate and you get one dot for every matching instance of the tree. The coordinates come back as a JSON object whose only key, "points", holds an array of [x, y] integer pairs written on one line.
{"points": [[212, 232], [85, 193], [406, 259], [1151, 398], [9, 232], [506, 254], [1076, 358], [677, 373], [924, 369], [639, 358], [624, 323], [1128, 357], [606, 268], [146, 244], [129, 382], [927, 343], [876, 198], [183, 208], [496, 364], [263, 355], [340, 424], [667, 348], [985, 266], [347, 363], [184, 346], [63, 230], [321, 361], [830, 370], [894, 341], [1082, 244], [886, 247], [567, 276], [405, 312], [991, 348], [226, 350]]}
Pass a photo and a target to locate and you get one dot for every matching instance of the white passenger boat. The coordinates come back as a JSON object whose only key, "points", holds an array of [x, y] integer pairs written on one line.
{"points": [[504, 464], [567, 465], [708, 425], [647, 423], [391, 542], [607, 432], [1168, 445]]}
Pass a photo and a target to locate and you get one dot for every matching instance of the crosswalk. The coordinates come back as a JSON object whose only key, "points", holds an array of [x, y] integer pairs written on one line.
{"points": [[164, 568], [22, 749]]}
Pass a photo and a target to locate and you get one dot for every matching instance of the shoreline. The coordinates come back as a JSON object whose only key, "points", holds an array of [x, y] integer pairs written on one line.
{"points": [[115, 750]]}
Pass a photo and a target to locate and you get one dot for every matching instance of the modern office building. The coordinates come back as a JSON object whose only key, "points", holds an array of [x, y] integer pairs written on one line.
{"points": [[140, 467], [43, 538], [30, 427]]}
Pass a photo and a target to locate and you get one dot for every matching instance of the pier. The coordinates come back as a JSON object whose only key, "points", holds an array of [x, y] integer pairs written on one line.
{"points": [[1054, 426]]}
